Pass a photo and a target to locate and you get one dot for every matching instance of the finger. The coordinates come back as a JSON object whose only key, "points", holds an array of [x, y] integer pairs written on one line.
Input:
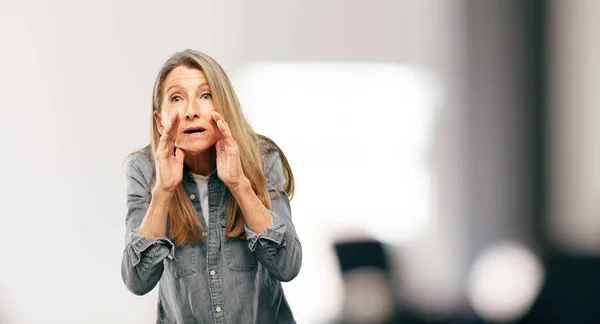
{"points": [[167, 140], [165, 146], [170, 132], [179, 155], [216, 116], [226, 138], [223, 127], [173, 125], [168, 125]]}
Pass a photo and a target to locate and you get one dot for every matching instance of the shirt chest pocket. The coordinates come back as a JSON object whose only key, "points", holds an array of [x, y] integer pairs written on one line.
{"points": [[185, 262], [238, 255]]}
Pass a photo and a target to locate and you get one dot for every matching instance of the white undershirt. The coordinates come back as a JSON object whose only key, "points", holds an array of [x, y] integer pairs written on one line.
{"points": [[202, 183]]}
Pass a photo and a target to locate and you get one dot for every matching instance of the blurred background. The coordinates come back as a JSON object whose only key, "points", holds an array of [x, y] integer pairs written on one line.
{"points": [[445, 152]]}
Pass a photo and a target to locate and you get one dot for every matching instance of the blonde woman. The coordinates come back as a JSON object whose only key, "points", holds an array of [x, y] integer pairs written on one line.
{"points": [[208, 215]]}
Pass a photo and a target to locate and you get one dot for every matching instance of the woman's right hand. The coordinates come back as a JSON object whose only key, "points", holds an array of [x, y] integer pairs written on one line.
{"points": [[169, 167]]}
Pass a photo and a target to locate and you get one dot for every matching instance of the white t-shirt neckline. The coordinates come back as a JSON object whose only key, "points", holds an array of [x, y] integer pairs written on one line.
{"points": [[202, 185]]}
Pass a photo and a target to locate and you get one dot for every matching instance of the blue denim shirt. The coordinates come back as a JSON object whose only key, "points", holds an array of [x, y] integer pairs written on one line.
{"points": [[219, 280]]}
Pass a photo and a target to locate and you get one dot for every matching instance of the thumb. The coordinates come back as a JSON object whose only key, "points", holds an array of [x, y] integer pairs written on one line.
{"points": [[179, 155]]}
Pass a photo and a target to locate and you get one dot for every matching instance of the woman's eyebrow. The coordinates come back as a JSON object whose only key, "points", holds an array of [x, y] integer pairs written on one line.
{"points": [[175, 86]]}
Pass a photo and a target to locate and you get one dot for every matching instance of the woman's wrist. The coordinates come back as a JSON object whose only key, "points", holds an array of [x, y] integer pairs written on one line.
{"points": [[154, 224], [240, 187], [162, 196]]}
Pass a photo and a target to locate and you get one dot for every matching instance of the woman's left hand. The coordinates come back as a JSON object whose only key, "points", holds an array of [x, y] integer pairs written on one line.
{"points": [[229, 165]]}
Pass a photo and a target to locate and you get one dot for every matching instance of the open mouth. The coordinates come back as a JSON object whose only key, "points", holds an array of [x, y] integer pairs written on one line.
{"points": [[194, 130]]}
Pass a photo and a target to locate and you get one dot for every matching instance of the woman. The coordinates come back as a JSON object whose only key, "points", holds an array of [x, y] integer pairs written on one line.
{"points": [[208, 210]]}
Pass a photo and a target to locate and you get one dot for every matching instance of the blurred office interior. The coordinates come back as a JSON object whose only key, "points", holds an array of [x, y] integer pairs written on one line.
{"points": [[445, 152]]}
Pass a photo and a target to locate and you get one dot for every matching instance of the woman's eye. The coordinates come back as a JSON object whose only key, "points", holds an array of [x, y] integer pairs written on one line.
{"points": [[206, 95], [176, 98]]}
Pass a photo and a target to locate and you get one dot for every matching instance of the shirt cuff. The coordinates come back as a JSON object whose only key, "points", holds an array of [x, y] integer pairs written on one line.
{"points": [[140, 243], [272, 235]]}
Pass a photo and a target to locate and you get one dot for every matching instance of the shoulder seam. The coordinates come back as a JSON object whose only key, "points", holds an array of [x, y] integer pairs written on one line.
{"points": [[136, 156]]}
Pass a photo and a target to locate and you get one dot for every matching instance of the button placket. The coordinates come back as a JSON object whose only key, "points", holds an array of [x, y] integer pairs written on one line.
{"points": [[213, 248]]}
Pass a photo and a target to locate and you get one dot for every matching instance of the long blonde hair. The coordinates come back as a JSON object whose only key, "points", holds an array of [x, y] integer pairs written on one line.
{"points": [[184, 223]]}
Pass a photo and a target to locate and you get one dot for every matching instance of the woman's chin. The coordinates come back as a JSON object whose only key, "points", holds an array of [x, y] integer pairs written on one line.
{"points": [[196, 149]]}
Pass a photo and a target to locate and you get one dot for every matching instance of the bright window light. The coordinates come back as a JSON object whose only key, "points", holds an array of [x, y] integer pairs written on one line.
{"points": [[357, 137]]}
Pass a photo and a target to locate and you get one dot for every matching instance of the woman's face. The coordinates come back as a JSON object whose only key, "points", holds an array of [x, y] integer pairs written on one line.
{"points": [[186, 91]]}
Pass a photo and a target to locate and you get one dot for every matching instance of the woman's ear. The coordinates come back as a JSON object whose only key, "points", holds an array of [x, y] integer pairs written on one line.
{"points": [[158, 121]]}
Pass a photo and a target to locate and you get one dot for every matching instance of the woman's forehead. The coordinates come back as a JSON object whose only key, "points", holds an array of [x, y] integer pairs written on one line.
{"points": [[184, 76]]}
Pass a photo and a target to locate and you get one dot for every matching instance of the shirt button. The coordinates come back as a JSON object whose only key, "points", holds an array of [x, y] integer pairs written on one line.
{"points": [[192, 196], [212, 273], [218, 309], [170, 257], [204, 234]]}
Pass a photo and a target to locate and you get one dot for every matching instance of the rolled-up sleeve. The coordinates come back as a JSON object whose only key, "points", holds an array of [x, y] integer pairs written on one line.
{"points": [[142, 263], [278, 247], [274, 234]]}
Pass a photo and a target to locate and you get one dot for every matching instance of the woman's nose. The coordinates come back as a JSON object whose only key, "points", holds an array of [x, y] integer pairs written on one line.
{"points": [[192, 111]]}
